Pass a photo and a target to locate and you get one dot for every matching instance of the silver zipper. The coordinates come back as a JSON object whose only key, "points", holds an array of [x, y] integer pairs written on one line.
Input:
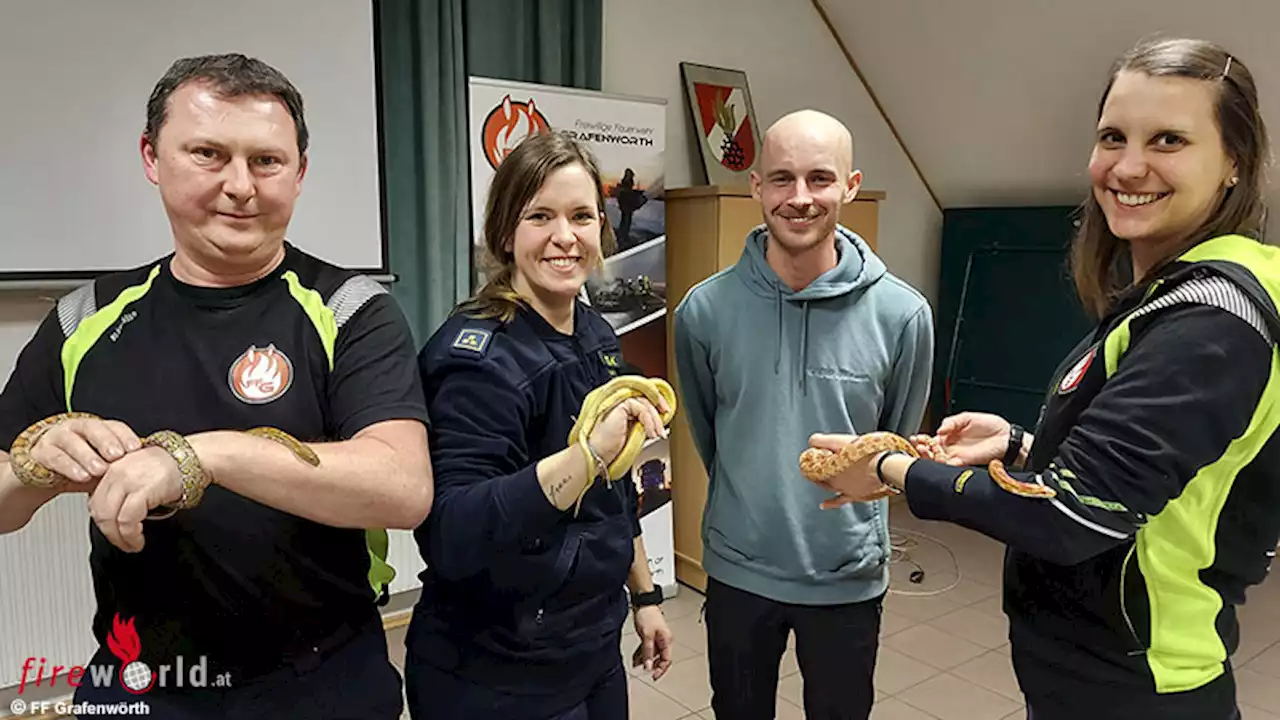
{"points": [[1124, 570]]}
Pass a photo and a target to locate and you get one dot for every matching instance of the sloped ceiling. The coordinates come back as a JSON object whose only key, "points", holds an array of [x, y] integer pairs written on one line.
{"points": [[996, 99]]}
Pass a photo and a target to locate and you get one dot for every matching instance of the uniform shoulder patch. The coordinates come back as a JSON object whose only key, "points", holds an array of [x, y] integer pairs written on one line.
{"points": [[473, 340]]}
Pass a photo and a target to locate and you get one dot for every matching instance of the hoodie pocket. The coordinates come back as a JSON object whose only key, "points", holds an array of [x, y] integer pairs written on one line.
{"points": [[723, 546], [850, 547]]}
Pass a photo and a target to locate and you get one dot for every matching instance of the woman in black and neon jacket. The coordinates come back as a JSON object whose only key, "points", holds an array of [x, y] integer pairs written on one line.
{"points": [[1148, 498]]}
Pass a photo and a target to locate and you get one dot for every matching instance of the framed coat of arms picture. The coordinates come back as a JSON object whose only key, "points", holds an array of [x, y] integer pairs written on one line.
{"points": [[724, 122]]}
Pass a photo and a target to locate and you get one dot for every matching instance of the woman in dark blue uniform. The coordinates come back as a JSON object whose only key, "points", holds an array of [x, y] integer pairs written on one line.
{"points": [[1149, 501], [522, 601]]}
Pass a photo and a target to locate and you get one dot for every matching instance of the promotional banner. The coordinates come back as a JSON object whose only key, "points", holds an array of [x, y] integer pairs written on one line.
{"points": [[627, 136]]}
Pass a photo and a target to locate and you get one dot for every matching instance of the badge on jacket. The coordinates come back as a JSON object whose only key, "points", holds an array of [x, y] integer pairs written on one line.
{"points": [[1073, 377], [471, 339]]}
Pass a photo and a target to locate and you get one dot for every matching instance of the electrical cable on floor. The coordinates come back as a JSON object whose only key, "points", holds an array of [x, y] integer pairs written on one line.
{"points": [[901, 544]]}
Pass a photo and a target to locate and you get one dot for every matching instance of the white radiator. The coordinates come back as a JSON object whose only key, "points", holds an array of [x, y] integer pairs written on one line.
{"points": [[46, 595]]}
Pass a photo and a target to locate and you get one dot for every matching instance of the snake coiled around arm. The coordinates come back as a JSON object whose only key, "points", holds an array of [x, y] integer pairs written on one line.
{"points": [[29, 472]]}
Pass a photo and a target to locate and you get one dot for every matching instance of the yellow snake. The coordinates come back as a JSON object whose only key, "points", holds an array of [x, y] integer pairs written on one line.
{"points": [[821, 464], [33, 473], [597, 405], [277, 435]]}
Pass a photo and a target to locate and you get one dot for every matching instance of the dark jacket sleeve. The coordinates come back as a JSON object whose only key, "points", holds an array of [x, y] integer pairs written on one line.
{"points": [[487, 491], [1185, 390]]}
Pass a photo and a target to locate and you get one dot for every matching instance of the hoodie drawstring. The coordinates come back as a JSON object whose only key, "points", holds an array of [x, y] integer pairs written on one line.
{"points": [[804, 351], [804, 342], [777, 355]]}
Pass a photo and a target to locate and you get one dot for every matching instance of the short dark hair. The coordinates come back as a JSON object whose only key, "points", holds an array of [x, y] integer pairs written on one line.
{"points": [[232, 75]]}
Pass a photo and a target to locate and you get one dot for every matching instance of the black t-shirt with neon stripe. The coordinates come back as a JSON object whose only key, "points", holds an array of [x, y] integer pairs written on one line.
{"points": [[314, 350]]}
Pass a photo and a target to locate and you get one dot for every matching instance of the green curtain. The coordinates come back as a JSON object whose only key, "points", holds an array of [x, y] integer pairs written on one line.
{"points": [[427, 49]]}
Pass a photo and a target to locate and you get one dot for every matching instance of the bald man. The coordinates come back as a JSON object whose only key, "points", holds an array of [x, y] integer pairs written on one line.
{"points": [[807, 332]]}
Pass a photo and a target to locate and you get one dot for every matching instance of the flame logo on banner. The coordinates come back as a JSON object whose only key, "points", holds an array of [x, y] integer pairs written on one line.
{"points": [[507, 125]]}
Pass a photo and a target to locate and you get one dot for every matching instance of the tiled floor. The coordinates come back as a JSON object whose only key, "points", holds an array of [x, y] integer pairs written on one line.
{"points": [[942, 657]]}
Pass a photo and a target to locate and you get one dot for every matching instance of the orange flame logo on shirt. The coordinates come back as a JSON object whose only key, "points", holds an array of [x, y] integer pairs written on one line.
{"points": [[507, 125], [260, 375]]}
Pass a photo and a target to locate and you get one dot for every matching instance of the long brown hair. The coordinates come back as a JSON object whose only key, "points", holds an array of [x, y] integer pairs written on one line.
{"points": [[517, 180], [1098, 257]]}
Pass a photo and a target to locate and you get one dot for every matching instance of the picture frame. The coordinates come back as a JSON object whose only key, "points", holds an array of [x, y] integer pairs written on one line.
{"points": [[723, 122]]}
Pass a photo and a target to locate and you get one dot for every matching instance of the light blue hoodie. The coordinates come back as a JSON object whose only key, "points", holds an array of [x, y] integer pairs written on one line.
{"points": [[759, 369]]}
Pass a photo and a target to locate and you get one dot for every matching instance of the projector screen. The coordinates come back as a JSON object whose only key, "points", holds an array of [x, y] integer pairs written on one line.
{"points": [[75, 76]]}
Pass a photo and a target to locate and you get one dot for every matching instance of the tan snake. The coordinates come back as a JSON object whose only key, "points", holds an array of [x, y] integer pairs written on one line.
{"points": [[33, 473], [820, 464]]}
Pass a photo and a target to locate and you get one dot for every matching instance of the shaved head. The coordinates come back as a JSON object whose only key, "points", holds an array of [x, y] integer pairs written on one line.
{"points": [[811, 126], [805, 175]]}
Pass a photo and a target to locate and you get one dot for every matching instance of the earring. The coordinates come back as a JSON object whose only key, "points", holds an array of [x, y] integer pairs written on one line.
{"points": [[1232, 182]]}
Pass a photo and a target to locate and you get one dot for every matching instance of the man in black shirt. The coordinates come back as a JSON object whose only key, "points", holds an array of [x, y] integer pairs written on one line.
{"points": [[260, 555]]}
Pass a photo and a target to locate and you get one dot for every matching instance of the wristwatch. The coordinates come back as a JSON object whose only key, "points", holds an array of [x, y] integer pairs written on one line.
{"points": [[1015, 445], [653, 597]]}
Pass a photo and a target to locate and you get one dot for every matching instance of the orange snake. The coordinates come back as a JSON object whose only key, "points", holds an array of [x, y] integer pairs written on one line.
{"points": [[821, 464]]}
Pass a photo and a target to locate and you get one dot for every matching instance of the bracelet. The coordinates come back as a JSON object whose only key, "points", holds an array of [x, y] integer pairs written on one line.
{"points": [[602, 469], [194, 478], [28, 471], [880, 471]]}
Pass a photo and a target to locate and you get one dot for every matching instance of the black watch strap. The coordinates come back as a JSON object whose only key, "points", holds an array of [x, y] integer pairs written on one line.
{"points": [[1016, 434], [653, 597]]}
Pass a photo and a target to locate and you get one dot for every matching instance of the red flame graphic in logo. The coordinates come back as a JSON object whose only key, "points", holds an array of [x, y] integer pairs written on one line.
{"points": [[507, 124], [123, 640], [260, 375]]}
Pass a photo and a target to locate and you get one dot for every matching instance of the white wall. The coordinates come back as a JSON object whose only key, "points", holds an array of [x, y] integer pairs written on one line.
{"points": [[20, 314], [791, 62]]}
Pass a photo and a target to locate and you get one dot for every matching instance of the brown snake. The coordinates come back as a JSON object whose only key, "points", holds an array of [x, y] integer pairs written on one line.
{"points": [[37, 475], [820, 464]]}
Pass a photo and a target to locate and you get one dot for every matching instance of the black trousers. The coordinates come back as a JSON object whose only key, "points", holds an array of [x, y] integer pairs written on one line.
{"points": [[436, 694], [836, 647], [356, 682]]}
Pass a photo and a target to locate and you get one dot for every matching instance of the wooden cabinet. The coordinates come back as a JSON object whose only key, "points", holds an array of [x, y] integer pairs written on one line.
{"points": [[707, 227]]}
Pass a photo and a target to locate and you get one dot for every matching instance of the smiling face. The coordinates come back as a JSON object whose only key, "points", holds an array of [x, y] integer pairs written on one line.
{"points": [[805, 177], [229, 172], [557, 239], [1159, 166]]}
